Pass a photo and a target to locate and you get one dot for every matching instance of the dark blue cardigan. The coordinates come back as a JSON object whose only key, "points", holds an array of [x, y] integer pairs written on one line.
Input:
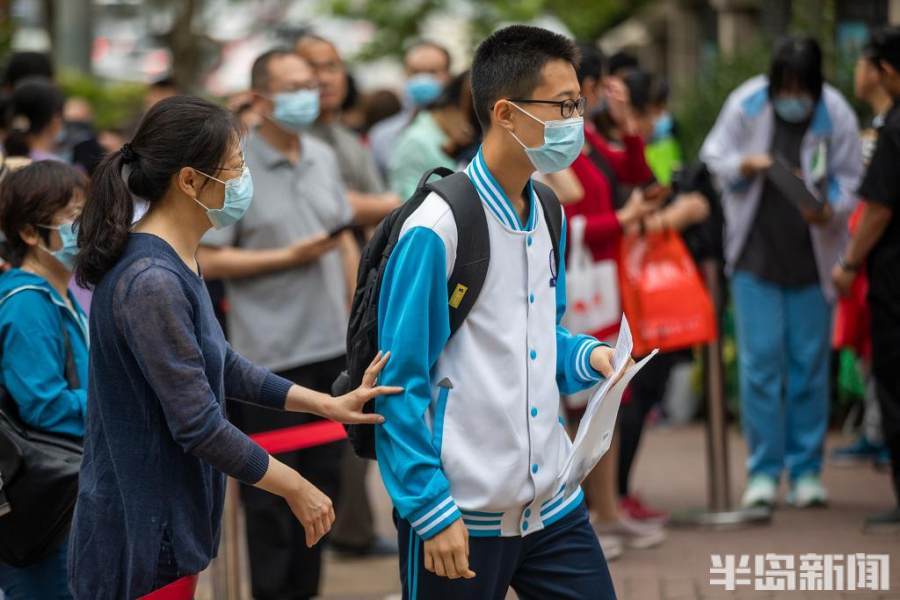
{"points": [[157, 443]]}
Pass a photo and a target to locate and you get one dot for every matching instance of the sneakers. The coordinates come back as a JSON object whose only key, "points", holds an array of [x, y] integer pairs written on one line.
{"points": [[760, 492], [632, 507], [807, 492], [636, 535], [612, 547], [860, 451]]}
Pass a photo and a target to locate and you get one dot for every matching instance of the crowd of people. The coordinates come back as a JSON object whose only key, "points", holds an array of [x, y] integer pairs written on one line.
{"points": [[173, 288]]}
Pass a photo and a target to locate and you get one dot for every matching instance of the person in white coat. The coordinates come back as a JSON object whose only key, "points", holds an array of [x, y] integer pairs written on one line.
{"points": [[779, 254]]}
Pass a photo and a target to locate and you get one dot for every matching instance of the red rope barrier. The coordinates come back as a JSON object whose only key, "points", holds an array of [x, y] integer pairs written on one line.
{"points": [[300, 437]]}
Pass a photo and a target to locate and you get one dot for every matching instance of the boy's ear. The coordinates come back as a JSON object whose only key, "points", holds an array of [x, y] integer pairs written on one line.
{"points": [[502, 114]]}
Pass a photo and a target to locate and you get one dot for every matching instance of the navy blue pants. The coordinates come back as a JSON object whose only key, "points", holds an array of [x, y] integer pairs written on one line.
{"points": [[563, 562]]}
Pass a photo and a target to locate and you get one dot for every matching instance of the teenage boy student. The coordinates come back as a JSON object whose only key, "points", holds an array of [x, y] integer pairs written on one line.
{"points": [[876, 242], [471, 453]]}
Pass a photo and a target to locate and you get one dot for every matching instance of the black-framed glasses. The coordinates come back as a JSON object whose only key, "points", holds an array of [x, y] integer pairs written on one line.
{"points": [[567, 108]]}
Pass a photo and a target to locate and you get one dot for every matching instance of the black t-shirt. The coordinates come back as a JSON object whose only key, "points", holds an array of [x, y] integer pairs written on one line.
{"points": [[881, 185], [779, 246]]}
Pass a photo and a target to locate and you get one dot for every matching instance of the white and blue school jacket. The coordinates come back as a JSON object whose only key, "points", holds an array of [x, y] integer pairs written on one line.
{"points": [[830, 157], [476, 434]]}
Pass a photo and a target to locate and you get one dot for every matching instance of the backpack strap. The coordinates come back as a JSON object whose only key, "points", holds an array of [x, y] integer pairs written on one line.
{"points": [[473, 248], [552, 214]]}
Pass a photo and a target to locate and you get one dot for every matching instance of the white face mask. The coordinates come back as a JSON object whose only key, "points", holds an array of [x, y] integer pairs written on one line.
{"points": [[563, 141]]}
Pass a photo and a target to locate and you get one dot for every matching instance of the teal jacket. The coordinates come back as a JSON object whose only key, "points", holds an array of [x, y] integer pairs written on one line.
{"points": [[33, 354]]}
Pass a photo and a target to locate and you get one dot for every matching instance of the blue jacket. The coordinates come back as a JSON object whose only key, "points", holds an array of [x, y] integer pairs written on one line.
{"points": [[33, 354], [476, 435]]}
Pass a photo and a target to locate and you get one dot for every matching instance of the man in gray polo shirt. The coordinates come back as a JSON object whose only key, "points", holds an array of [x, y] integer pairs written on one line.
{"points": [[288, 284]]}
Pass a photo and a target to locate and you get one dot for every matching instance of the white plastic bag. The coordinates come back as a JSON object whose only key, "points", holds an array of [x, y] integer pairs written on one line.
{"points": [[592, 288]]}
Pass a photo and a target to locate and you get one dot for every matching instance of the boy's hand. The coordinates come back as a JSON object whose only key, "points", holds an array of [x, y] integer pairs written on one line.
{"points": [[447, 553], [601, 360]]}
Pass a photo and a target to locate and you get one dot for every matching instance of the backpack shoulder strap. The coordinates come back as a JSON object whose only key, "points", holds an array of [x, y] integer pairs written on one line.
{"points": [[473, 248], [552, 213], [70, 372]]}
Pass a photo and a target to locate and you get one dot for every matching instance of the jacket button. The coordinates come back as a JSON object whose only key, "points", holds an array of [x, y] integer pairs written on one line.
{"points": [[531, 298], [533, 412], [534, 468], [527, 512], [533, 354], [525, 526], [530, 240]]}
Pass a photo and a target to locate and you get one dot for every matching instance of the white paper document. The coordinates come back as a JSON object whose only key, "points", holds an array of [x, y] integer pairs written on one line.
{"points": [[595, 430]]}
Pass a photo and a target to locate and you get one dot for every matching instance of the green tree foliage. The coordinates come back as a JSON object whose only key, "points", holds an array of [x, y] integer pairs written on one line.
{"points": [[397, 22]]}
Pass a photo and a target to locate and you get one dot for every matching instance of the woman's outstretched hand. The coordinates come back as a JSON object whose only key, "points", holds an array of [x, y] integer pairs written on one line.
{"points": [[349, 407]]}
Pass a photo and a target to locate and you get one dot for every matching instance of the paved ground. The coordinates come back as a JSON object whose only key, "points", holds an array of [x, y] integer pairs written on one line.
{"points": [[671, 474]]}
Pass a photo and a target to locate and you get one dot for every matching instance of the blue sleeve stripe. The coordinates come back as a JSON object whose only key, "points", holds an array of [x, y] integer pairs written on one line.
{"points": [[421, 520], [439, 523]]}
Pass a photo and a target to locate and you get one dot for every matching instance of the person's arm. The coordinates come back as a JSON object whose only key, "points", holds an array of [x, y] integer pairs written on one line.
{"points": [[414, 325], [247, 382], [370, 209], [566, 185], [688, 209], [229, 262], [156, 320], [33, 362], [721, 149], [875, 220], [581, 361], [350, 259]]}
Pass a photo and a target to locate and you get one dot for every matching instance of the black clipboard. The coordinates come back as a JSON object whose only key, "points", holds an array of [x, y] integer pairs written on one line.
{"points": [[792, 187]]}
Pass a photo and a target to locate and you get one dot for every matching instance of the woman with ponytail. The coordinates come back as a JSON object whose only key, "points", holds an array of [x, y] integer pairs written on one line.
{"points": [[157, 443]]}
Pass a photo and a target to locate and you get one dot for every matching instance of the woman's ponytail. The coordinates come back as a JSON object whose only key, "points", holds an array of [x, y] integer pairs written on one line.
{"points": [[105, 222]]}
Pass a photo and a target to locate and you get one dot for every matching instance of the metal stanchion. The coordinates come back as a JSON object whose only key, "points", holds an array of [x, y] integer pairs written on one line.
{"points": [[225, 571], [719, 513]]}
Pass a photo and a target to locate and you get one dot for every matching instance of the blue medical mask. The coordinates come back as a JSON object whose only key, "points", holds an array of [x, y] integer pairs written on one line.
{"points": [[563, 141], [663, 127], [793, 109], [296, 110], [423, 89], [238, 196], [69, 238]]}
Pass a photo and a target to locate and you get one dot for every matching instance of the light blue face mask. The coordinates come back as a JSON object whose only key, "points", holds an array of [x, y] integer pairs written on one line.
{"points": [[793, 109], [69, 238], [238, 196], [563, 140], [663, 127], [423, 89], [296, 110]]}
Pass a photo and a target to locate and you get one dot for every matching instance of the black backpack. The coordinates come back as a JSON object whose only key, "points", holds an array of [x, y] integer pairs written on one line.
{"points": [[473, 255]]}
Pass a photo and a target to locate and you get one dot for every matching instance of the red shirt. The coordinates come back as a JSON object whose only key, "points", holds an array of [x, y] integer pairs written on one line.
{"points": [[603, 230]]}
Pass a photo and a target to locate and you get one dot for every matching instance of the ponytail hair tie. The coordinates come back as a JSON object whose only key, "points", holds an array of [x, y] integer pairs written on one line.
{"points": [[128, 154]]}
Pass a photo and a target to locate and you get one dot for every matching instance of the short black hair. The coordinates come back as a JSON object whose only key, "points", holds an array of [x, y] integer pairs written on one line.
{"points": [[884, 45], [640, 86], [591, 63], [622, 61], [797, 61], [508, 64], [259, 73], [27, 64]]}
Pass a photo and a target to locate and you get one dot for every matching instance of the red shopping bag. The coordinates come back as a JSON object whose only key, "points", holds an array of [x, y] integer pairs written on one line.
{"points": [[663, 295]]}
